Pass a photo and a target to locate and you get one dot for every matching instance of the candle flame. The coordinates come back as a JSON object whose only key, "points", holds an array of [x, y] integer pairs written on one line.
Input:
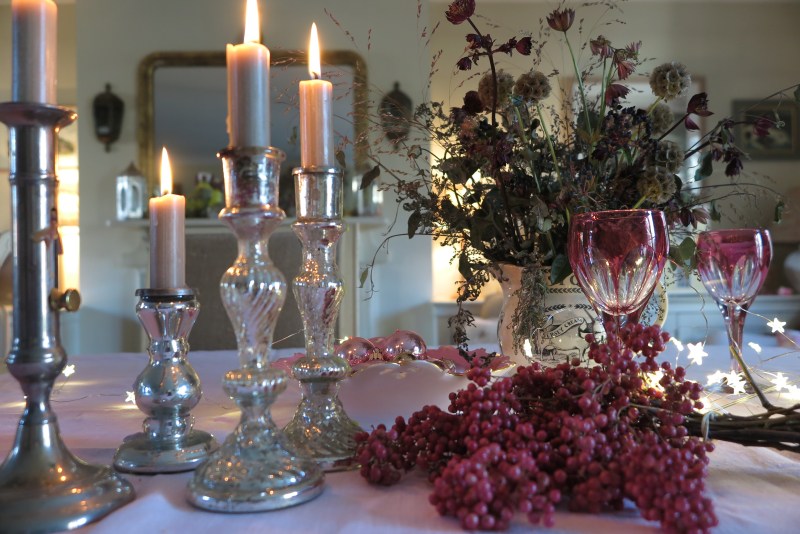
{"points": [[314, 67], [251, 30], [166, 173]]}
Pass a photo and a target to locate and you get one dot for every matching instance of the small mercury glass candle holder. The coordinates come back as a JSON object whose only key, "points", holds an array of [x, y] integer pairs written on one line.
{"points": [[166, 390], [255, 469], [320, 429]]}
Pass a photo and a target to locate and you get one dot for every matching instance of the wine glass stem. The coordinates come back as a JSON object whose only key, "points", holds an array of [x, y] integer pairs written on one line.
{"points": [[734, 322], [620, 320]]}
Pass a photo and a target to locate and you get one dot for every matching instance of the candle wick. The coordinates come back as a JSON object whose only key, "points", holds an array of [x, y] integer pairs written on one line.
{"points": [[316, 76]]}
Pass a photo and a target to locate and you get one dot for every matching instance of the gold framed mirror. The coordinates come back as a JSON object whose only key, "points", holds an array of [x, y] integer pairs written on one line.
{"points": [[182, 104]]}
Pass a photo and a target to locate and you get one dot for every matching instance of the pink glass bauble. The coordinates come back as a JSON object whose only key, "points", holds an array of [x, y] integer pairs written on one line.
{"points": [[356, 350], [404, 342]]}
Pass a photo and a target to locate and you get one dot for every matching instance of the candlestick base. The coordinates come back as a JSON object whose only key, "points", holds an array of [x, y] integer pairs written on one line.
{"points": [[254, 471], [166, 390], [320, 428], [54, 491]]}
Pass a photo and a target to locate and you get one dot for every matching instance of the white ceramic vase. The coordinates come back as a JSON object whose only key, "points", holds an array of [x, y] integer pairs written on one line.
{"points": [[569, 318]]}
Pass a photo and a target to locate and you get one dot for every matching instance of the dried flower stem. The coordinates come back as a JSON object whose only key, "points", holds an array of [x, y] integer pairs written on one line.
{"points": [[549, 138], [579, 78], [490, 55]]}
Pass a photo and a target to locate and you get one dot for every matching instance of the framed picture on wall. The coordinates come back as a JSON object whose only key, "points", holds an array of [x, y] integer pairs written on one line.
{"points": [[783, 141]]}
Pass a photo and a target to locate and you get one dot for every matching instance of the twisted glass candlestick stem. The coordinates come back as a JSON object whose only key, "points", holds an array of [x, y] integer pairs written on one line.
{"points": [[320, 429], [255, 468], [166, 390]]}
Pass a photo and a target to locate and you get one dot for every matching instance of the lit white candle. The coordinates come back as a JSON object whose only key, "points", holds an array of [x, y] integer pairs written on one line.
{"points": [[316, 112], [33, 58], [248, 86], [167, 244]]}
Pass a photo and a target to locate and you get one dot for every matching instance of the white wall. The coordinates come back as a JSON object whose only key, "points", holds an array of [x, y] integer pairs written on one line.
{"points": [[114, 35]]}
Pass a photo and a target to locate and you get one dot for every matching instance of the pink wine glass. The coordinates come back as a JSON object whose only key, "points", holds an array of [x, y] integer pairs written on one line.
{"points": [[617, 258], [733, 265]]}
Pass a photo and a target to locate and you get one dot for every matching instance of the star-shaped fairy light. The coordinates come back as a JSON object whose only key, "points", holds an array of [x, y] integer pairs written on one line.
{"points": [[653, 380], [677, 343], [776, 325], [696, 353], [715, 378], [736, 382], [130, 396], [69, 370], [781, 382]]}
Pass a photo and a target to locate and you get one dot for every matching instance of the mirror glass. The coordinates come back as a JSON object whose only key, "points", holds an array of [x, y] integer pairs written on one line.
{"points": [[183, 106]]}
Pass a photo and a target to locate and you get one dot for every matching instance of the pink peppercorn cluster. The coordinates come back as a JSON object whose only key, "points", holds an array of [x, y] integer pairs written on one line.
{"points": [[585, 438]]}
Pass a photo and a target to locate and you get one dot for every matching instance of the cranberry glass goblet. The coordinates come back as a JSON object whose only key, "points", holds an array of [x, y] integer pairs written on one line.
{"points": [[733, 265], [617, 257]]}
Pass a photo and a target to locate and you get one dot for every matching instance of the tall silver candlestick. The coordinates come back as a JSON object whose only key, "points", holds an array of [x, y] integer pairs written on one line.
{"points": [[167, 389], [43, 486], [255, 469], [320, 429]]}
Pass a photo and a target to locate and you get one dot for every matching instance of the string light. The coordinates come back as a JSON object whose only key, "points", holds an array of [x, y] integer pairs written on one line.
{"points": [[653, 380], [69, 370], [736, 382], [776, 325], [715, 378], [696, 353], [130, 397], [781, 382]]}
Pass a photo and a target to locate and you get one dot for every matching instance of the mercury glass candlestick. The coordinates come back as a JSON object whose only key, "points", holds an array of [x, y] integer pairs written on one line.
{"points": [[320, 429], [43, 486], [256, 468], [166, 390]]}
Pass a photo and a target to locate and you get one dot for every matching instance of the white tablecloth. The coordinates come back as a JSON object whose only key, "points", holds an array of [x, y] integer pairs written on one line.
{"points": [[754, 490]]}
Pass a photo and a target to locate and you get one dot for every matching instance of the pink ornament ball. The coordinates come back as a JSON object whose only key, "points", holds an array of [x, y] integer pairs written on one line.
{"points": [[404, 342], [356, 350]]}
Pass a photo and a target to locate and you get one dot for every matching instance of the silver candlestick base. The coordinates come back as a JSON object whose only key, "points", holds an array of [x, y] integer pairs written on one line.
{"points": [[166, 390], [43, 486], [320, 429], [255, 469]]}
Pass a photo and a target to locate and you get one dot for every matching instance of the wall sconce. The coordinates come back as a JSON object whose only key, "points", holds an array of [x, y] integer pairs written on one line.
{"points": [[107, 110], [395, 111]]}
